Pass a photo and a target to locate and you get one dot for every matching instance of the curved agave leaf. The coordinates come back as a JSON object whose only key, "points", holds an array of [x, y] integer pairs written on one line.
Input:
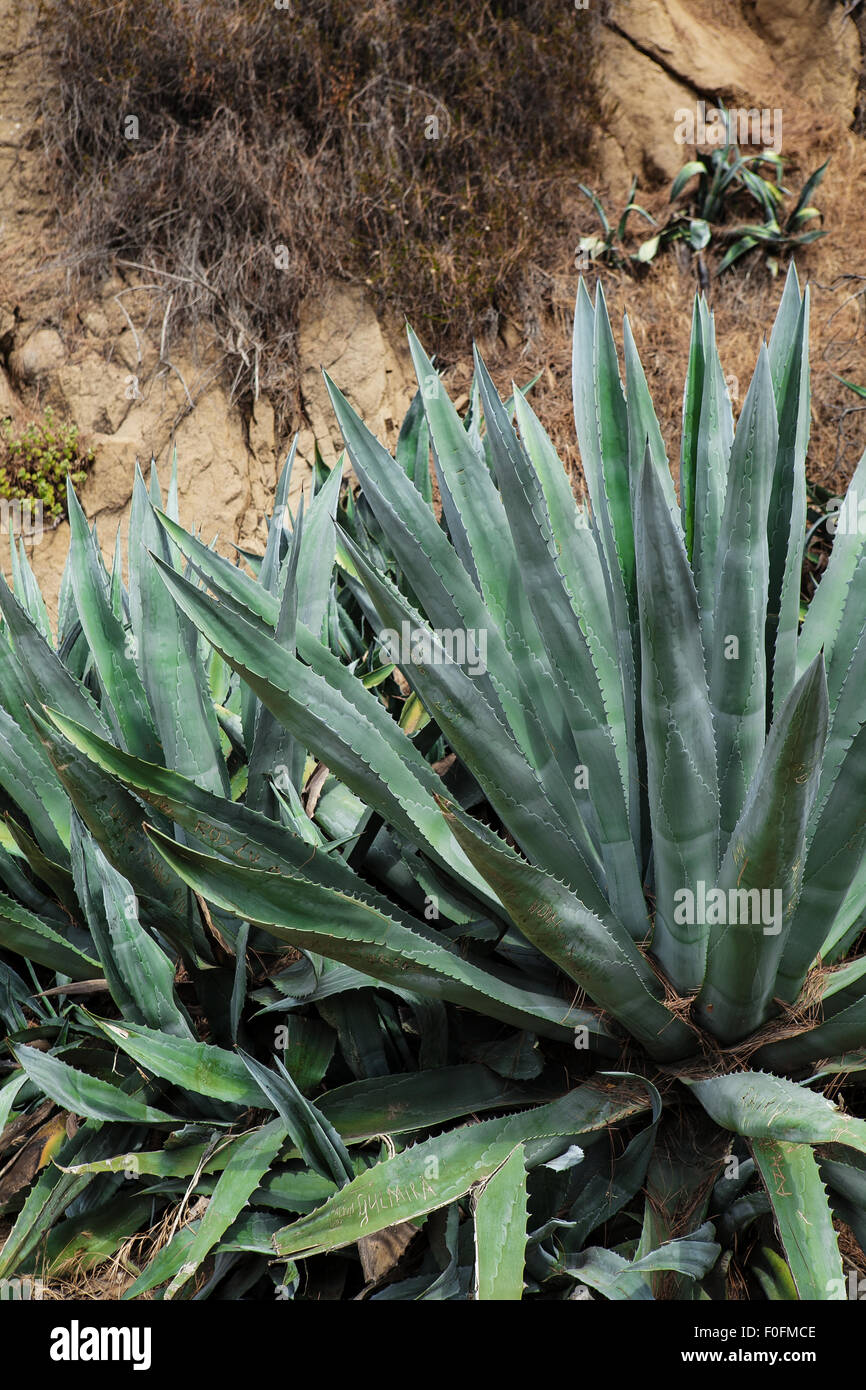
{"points": [[543, 818], [441, 1170], [760, 1106], [114, 819], [451, 600], [791, 1177], [29, 779], [42, 669], [569, 653], [737, 667], [596, 952], [500, 1232], [111, 654], [761, 872], [30, 936], [786, 523], [618, 1278], [834, 618], [344, 928], [227, 826], [681, 755], [835, 857], [82, 1094], [344, 724]]}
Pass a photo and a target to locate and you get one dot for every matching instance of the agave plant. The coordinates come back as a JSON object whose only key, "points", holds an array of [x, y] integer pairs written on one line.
{"points": [[618, 914]]}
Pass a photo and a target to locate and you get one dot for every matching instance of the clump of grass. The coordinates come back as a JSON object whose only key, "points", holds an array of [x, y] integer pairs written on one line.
{"points": [[36, 461], [245, 151]]}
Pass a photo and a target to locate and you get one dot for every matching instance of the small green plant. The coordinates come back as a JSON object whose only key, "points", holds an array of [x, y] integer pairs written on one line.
{"points": [[726, 179], [36, 463], [604, 248], [725, 173]]}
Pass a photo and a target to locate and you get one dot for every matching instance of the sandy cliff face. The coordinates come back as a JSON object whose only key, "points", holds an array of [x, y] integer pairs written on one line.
{"points": [[107, 363]]}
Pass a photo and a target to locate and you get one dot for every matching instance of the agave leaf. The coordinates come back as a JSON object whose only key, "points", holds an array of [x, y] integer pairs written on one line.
{"points": [[765, 857], [596, 952], [613, 443], [786, 522], [570, 656], [443, 1169], [139, 973], [583, 569], [82, 1094], [472, 506], [607, 1193], [643, 427], [114, 819], [844, 1032], [47, 677], [344, 724], [451, 600], [53, 1192], [167, 653], [315, 1138], [783, 346], [270, 568], [341, 927], [791, 1177], [539, 817], [834, 618], [413, 448], [358, 1111], [273, 747], [834, 859], [29, 779], [621, 599], [500, 1232], [848, 707], [760, 1106], [681, 759], [27, 590], [199, 1067], [28, 935], [55, 876], [227, 826], [712, 451], [737, 672], [318, 553], [618, 1278], [112, 657], [249, 1161], [479, 533], [85, 1241]]}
